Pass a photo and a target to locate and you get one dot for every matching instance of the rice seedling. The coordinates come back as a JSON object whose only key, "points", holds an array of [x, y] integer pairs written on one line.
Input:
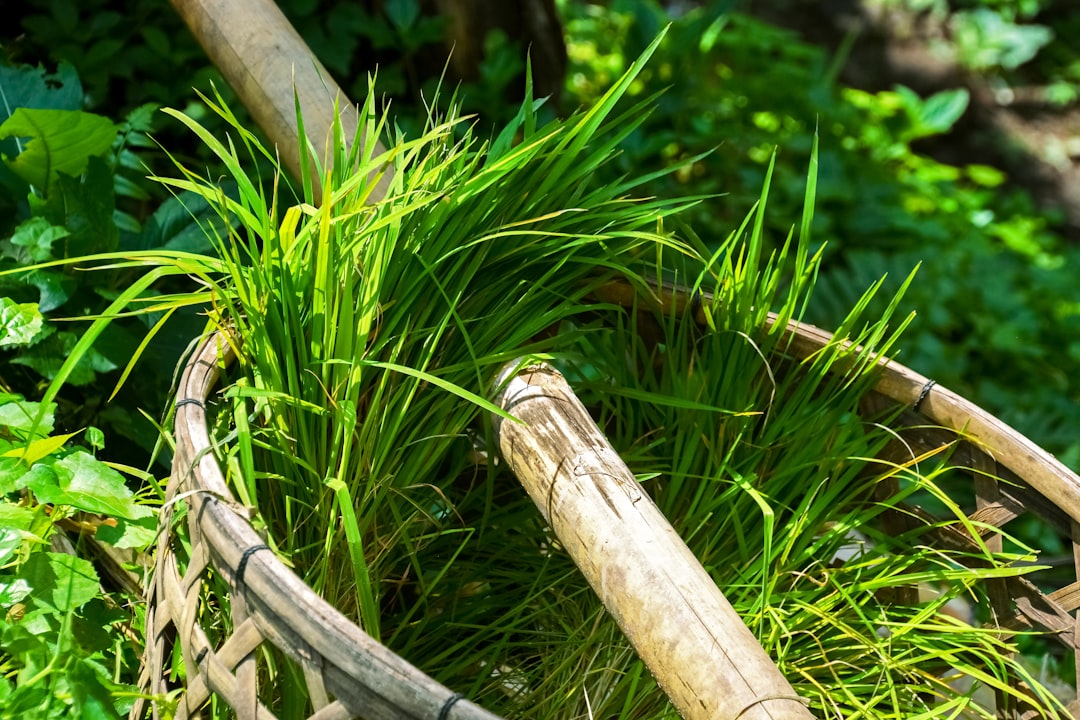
{"points": [[367, 337]]}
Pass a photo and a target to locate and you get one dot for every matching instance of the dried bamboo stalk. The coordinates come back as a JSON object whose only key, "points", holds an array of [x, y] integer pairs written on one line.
{"points": [[264, 59], [696, 645]]}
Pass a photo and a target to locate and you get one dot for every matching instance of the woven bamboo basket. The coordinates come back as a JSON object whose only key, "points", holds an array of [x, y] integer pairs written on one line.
{"points": [[348, 674]]}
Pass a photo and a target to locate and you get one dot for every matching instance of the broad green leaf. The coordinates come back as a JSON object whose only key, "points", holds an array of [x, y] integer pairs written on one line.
{"points": [[60, 582], [20, 323], [84, 482], [32, 241], [60, 141], [18, 414]]}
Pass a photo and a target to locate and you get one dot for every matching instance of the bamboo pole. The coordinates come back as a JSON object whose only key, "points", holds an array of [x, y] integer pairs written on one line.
{"points": [[263, 59], [692, 640], [1044, 472]]}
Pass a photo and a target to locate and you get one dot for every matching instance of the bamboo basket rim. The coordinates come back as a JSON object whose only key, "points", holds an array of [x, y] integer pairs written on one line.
{"points": [[357, 670], [335, 654]]}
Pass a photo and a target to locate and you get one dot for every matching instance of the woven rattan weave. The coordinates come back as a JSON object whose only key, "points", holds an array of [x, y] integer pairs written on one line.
{"points": [[348, 674]]}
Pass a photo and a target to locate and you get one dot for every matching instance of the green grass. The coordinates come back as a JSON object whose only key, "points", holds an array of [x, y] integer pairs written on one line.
{"points": [[368, 335]]}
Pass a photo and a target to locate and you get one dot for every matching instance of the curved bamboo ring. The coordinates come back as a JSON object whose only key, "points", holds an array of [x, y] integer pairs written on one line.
{"points": [[269, 601]]}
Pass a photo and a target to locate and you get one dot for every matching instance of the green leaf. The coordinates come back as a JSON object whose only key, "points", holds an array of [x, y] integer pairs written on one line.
{"points": [[402, 13], [85, 205], [61, 141], [53, 289], [18, 589], [18, 415], [60, 582], [141, 119], [136, 534], [49, 356], [943, 109], [28, 86], [95, 438], [32, 241], [20, 323], [12, 471], [93, 700], [84, 482], [185, 222], [39, 449]]}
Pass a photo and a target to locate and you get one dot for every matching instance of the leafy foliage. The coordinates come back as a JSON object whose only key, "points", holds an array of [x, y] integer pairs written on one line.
{"points": [[64, 654], [68, 175]]}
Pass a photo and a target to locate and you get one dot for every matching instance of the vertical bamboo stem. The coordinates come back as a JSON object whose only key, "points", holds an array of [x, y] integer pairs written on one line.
{"points": [[697, 647], [263, 58]]}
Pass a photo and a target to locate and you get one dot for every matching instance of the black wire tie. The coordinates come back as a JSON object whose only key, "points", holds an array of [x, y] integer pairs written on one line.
{"points": [[445, 712], [922, 395], [242, 566], [190, 401]]}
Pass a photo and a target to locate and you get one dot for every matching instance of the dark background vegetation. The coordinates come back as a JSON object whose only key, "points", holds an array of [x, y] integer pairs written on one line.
{"points": [[948, 134]]}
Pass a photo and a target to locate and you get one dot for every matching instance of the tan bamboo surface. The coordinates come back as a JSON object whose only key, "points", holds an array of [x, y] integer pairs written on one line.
{"points": [[264, 59], [696, 646], [348, 674]]}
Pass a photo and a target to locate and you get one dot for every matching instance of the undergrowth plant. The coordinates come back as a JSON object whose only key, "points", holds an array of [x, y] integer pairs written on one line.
{"points": [[67, 647], [367, 334]]}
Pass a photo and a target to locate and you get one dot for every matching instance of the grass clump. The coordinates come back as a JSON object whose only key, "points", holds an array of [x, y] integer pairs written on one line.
{"points": [[367, 335]]}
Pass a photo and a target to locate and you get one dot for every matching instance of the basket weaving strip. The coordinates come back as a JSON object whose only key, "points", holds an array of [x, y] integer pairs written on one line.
{"points": [[270, 603]]}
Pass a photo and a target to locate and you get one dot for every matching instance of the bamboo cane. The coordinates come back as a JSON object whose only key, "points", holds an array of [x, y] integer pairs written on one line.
{"points": [[264, 60], [692, 640]]}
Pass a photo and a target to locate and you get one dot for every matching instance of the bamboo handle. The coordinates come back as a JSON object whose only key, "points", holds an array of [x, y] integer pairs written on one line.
{"points": [[694, 643], [263, 58]]}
